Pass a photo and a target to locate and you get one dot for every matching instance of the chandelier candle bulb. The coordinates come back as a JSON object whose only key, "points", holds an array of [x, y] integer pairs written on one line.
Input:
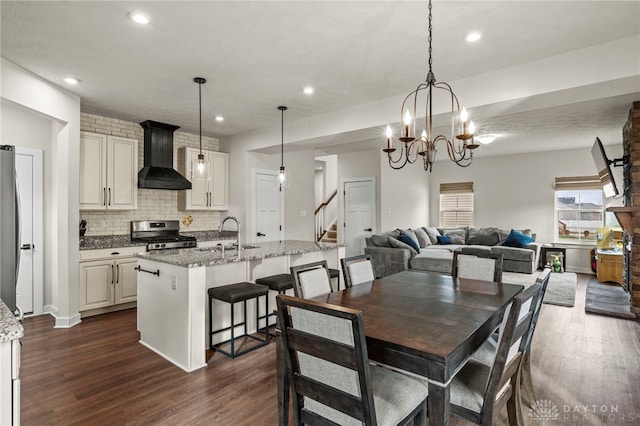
{"points": [[407, 123], [389, 134]]}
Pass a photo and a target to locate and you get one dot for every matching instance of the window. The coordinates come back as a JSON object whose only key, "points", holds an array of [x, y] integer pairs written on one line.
{"points": [[579, 209], [456, 204]]}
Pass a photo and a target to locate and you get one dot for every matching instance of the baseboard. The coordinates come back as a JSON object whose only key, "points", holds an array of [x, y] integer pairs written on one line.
{"points": [[62, 322]]}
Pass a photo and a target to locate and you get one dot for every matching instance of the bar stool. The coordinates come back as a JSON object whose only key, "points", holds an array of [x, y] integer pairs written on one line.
{"points": [[233, 293], [280, 283]]}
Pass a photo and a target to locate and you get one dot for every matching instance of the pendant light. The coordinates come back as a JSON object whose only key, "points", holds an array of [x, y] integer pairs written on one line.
{"points": [[200, 166], [282, 175]]}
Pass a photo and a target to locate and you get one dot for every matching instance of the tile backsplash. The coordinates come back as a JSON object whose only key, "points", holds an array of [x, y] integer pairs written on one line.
{"points": [[152, 203]]}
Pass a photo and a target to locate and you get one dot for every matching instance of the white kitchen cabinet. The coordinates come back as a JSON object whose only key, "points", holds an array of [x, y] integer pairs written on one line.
{"points": [[108, 277], [212, 194], [10, 382], [108, 172]]}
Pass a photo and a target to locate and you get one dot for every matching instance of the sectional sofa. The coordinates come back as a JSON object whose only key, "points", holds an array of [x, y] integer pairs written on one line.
{"points": [[431, 248]]}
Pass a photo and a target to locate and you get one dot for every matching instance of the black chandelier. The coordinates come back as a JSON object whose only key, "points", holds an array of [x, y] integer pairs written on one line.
{"points": [[459, 147]]}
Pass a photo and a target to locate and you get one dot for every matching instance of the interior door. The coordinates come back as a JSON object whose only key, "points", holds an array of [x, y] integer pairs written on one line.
{"points": [[359, 213], [24, 289], [268, 207]]}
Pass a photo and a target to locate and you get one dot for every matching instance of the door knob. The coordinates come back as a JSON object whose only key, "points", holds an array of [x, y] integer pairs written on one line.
{"points": [[26, 247], [260, 234], [368, 229]]}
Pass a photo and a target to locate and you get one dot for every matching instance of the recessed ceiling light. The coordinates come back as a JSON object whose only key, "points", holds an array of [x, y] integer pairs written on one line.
{"points": [[308, 90], [139, 17], [473, 36], [486, 139], [219, 118], [71, 80]]}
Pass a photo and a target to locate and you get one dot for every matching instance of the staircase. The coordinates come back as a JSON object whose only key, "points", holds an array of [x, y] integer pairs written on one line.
{"points": [[331, 236]]}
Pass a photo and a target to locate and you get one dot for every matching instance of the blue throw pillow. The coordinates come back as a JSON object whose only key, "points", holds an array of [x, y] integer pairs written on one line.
{"points": [[517, 239], [444, 239], [406, 238]]}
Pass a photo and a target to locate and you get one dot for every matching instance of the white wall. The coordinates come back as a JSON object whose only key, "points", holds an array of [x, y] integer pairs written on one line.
{"points": [[24, 90]]}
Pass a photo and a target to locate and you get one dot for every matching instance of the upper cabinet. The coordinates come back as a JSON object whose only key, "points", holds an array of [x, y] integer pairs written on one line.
{"points": [[108, 172], [210, 194]]}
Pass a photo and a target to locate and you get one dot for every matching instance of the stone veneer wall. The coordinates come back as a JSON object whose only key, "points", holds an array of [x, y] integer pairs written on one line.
{"points": [[152, 203], [631, 143]]}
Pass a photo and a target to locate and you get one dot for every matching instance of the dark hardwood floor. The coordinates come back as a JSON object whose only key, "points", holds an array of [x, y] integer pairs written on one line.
{"points": [[587, 366]]}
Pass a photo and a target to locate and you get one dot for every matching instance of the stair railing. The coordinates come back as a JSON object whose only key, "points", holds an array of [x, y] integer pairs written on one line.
{"points": [[319, 217]]}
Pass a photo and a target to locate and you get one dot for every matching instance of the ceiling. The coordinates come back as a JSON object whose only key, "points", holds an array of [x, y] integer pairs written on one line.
{"points": [[257, 55]]}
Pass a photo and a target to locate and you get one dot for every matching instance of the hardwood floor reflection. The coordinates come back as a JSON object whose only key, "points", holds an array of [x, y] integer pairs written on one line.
{"points": [[97, 373]]}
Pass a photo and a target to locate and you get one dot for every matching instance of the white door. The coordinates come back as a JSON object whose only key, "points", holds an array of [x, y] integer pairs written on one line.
{"points": [[30, 286], [268, 207], [359, 213]]}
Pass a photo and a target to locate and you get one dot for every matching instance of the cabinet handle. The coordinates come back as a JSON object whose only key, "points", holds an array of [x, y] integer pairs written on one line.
{"points": [[210, 199], [104, 196], [109, 196], [111, 274], [117, 273]]}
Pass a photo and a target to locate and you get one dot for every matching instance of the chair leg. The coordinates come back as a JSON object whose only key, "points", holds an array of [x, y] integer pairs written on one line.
{"points": [[514, 403], [527, 380]]}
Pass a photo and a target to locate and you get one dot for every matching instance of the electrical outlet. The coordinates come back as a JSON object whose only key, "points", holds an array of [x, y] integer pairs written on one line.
{"points": [[174, 283]]}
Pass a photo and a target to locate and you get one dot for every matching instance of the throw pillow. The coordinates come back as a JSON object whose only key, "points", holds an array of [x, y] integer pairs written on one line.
{"points": [[457, 236], [483, 236], [399, 244], [423, 238], [433, 234], [378, 240], [406, 238], [444, 239], [413, 236], [504, 233], [517, 239]]}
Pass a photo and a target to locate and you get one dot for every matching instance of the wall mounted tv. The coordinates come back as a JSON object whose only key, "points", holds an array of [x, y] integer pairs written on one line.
{"points": [[603, 164]]}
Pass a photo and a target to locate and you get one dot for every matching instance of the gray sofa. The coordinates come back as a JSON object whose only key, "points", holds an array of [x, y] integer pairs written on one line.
{"points": [[390, 255]]}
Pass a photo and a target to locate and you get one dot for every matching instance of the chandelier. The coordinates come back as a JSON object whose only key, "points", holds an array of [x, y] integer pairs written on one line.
{"points": [[459, 147]]}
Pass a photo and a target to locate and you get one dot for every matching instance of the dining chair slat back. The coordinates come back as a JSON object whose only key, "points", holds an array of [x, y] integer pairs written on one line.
{"points": [[479, 266], [331, 379], [311, 280], [479, 388], [357, 270]]}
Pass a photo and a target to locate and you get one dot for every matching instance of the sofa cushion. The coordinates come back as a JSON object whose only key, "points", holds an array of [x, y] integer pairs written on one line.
{"points": [[445, 231], [457, 236], [483, 236], [504, 233], [399, 244], [423, 238], [512, 253], [433, 260], [406, 238], [433, 234], [517, 239], [379, 240]]}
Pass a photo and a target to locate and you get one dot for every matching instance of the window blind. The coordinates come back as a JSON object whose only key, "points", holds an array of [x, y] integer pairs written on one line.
{"points": [[456, 204], [577, 182]]}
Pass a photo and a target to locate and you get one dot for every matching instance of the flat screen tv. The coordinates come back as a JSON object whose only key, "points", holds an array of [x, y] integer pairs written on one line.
{"points": [[603, 164]]}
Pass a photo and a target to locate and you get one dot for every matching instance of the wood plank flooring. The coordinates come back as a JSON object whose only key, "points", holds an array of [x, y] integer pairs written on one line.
{"points": [[587, 366]]}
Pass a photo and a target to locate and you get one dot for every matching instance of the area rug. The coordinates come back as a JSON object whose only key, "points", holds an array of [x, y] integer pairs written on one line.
{"points": [[561, 289], [609, 300]]}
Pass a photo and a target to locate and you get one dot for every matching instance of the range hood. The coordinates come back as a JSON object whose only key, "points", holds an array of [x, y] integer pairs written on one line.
{"points": [[158, 172]]}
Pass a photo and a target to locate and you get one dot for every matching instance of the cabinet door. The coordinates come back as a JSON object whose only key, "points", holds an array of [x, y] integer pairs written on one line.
{"points": [[122, 173], [219, 162], [96, 284], [93, 172], [126, 281]]}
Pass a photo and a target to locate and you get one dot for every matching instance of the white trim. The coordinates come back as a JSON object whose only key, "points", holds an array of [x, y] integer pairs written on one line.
{"points": [[254, 203], [341, 211], [67, 322], [38, 226]]}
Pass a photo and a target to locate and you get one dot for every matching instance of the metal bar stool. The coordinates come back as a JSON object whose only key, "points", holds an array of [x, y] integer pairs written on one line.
{"points": [[233, 293], [280, 283]]}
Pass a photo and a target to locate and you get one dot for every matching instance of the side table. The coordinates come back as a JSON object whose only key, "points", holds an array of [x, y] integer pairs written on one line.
{"points": [[545, 255]]}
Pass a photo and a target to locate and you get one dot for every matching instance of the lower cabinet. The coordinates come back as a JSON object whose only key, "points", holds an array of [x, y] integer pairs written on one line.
{"points": [[10, 382], [107, 277]]}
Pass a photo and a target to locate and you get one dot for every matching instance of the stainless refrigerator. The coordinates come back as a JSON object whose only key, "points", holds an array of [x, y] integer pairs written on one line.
{"points": [[9, 228]]}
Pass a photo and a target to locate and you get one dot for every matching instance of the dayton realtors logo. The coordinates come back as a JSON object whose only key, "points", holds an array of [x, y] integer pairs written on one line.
{"points": [[546, 412]]}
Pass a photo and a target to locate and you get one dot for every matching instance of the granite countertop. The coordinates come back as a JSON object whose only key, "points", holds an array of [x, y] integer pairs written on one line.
{"points": [[191, 258], [10, 327], [115, 241]]}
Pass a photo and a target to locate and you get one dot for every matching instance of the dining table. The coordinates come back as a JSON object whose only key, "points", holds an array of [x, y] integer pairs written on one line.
{"points": [[422, 323]]}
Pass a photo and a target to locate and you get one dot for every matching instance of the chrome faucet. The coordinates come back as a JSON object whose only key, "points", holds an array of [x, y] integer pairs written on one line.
{"points": [[237, 224]]}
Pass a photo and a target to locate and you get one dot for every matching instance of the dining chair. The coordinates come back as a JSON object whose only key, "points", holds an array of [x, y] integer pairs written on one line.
{"points": [[525, 363], [311, 279], [331, 379], [479, 265], [357, 270], [480, 389]]}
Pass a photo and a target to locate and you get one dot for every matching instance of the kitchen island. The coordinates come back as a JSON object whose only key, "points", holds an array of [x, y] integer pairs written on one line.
{"points": [[173, 318]]}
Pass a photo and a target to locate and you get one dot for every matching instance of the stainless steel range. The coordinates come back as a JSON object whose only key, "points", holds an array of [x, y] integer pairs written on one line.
{"points": [[160, 234]]}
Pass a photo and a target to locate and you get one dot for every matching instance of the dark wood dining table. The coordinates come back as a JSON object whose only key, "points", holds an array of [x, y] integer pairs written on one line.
{"points": [[423, 323]]}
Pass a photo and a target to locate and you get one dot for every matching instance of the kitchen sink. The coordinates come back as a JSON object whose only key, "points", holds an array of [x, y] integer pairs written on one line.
{"points": [[228, 247]]}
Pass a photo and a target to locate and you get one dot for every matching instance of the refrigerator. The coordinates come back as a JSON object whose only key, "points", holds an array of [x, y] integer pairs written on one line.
{"points": [[9, 228]]}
